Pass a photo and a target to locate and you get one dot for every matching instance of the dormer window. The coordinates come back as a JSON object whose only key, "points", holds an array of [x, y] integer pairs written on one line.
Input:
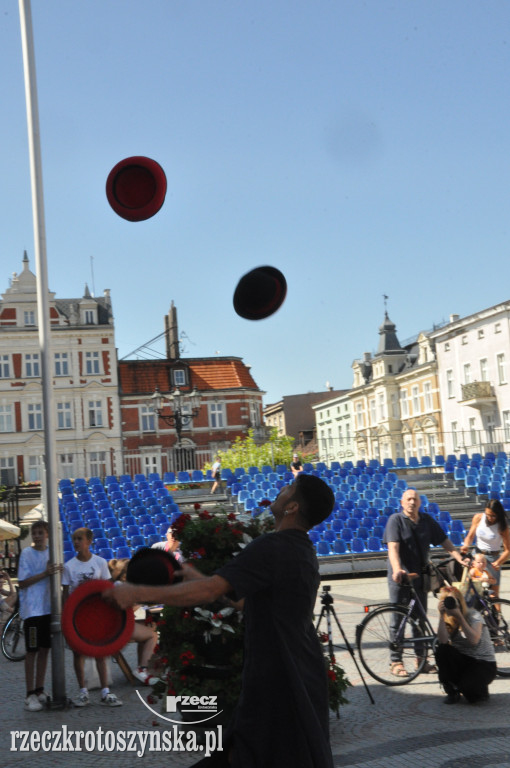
{"points": [[29, 317], [179, 375], [90, 317]]}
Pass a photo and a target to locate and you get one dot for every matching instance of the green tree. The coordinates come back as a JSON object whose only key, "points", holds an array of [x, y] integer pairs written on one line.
{"points": [[246, 453]]}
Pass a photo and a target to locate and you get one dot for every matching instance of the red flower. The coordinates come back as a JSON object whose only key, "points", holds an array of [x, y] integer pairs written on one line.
{"points": [[264, 503], [155, 722], [323, 637], [332, 675], [205, 515], [231, 516], [196, 505]]}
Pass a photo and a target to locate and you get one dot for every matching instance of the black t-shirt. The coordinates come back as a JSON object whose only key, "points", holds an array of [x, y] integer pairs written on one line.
{"points": [[414, 547], [282, 718]]}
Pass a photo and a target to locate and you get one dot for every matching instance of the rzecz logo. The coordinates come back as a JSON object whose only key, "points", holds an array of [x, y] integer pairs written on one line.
{"points": [[192, 704]]}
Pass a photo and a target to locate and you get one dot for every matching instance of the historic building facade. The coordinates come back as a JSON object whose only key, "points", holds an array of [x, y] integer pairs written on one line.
{"points": [[473, 355], [393, 409], [229, 404], [85, 386]]}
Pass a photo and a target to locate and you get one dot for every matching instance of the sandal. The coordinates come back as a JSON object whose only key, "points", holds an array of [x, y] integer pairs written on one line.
{"points": [[397, 669], [428, 668]]}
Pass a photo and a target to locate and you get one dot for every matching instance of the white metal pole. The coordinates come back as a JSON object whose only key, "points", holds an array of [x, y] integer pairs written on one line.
{"points": [[43, 315]]}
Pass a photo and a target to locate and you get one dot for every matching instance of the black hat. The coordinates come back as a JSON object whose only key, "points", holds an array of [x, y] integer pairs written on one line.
{"points": [[260, 293], [154, 567]]}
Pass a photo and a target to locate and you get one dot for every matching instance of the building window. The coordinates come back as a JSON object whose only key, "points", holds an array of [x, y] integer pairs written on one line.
{"points": [[501, 365], [447, 346], [29, 317], [95, 413], [455, 439], [347, 431], [61, 364], [5, 368], [506, 424], [35, 421], [97, 463], [481, 333], [464, 340], [394, 406], [472, 430], [373, 413], [415, 393], [404, 405], [359, 416], [497, 328], [90, 317], [91, 363], [467, 373], [148, 418], [381, 406], [340, 435], [7, 471], [427, 390], [254, 414], [32, 369], [449, 383], [217, 418], [484, 370], [34, 469], [6, 418], [64, 420], [65, 465], [179, 377]]}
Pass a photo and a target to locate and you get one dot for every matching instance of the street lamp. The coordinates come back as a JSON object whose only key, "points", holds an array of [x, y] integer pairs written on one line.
{"points": [[184, 406]]}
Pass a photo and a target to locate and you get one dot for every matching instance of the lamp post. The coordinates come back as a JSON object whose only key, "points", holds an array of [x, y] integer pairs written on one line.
{"points": [[184, 406]]}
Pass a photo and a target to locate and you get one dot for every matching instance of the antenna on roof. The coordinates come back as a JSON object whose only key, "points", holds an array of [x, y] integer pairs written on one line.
{"points": [[385, 298]]}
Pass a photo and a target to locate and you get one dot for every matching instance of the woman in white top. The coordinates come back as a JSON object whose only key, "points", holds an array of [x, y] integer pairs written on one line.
{"points": [[492, 538]]}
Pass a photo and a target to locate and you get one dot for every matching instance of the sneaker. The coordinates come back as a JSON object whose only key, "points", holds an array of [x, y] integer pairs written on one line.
{"points": [[81, 700], [44, 698], [110, 700], [142, 675], [32, 703]]}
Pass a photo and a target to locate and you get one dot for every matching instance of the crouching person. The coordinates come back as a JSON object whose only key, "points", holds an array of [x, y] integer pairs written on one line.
{"points": [[465, 654]]}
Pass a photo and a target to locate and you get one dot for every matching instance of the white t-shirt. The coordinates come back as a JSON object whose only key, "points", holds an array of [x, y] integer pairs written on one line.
{"points": [[78, 571], [34, 600]]}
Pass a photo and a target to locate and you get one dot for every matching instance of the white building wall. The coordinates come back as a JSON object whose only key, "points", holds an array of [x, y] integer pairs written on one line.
{"points": [[469, 351]]}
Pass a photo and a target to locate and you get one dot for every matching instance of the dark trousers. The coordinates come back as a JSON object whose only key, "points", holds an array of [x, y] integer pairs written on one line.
{"points": [[458, 672], [401, 594]]}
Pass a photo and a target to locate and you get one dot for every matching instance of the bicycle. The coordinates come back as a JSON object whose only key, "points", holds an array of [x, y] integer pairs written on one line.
{"points": [[407, 630], [12, 641]]}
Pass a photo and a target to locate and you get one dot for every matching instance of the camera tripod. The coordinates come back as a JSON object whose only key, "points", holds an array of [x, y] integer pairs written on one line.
{"points": [[328, 611]]}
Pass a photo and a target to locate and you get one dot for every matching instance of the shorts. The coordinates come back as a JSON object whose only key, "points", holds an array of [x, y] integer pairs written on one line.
{"points": [[37, 632]]}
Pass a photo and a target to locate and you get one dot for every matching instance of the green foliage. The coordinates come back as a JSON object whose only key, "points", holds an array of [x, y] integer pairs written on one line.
{"points": [[246, 453]]}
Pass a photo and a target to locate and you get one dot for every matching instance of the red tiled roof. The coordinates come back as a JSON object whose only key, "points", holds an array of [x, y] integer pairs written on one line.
{"points": [[143, 376]]}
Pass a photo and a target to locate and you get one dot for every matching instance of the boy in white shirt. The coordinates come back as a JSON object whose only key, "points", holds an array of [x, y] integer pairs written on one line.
{"points": [[84, 567], [35, 609]]}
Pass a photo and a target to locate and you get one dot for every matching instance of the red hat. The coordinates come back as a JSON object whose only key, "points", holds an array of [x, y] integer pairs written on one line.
{"points": [[260, 293], [136, 188], [92, 626]]}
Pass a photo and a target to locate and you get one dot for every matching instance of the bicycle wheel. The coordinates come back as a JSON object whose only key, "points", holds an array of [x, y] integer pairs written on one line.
{"points": [[500, 636], [13, 639], [375, 644]]}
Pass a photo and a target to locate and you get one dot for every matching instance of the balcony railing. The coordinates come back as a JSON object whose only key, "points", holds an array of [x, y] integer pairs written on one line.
{"points": [[477, 390]]}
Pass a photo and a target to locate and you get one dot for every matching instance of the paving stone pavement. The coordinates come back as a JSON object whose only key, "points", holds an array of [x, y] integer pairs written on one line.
{"points": [[406, 726]]}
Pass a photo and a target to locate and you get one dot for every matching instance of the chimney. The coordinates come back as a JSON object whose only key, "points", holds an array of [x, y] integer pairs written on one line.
{"points": [[172, 334], [454, 318]]}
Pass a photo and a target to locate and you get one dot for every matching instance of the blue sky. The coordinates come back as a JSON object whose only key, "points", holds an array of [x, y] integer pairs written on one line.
{"points": [[360, 147]]}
